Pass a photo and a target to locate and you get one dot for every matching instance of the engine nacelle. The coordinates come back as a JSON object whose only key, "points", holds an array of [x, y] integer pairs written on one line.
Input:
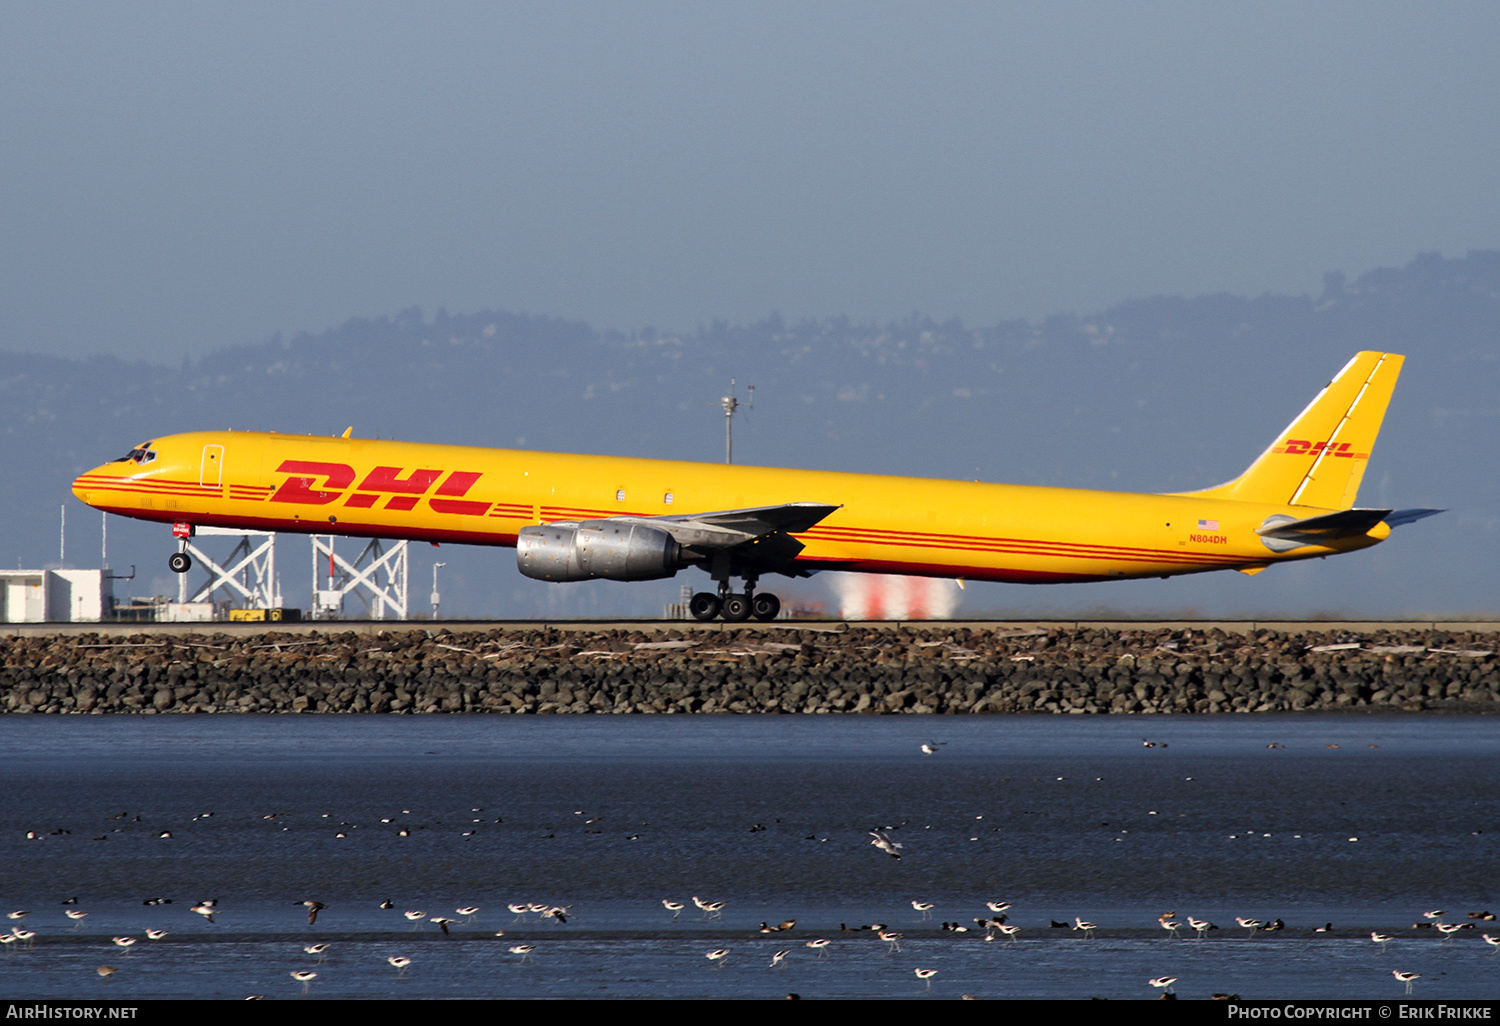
{"points": [[597, 548]]}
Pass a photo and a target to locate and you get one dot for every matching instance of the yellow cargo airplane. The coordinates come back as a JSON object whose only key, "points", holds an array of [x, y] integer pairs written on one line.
{"points": [[575, 517]]}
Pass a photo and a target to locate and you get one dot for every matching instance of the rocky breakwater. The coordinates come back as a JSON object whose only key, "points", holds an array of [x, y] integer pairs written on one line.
{"points": [[752, 670]]}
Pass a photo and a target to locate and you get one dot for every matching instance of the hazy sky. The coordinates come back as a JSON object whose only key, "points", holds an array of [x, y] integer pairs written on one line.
{"points": [[179, 176]]}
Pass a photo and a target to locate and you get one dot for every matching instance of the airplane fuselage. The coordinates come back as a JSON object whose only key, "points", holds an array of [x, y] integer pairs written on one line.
{"points": [[443, 493]]}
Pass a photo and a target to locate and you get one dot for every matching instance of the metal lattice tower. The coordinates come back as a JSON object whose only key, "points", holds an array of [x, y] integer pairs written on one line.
{"points": [[248, 575], [377, 577]]}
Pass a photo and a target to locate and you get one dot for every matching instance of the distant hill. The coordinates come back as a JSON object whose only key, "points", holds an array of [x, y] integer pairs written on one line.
{"points": [[1156, 394]]}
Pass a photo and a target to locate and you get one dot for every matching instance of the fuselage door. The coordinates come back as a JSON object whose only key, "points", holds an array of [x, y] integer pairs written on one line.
{"points": [[211, 471]]}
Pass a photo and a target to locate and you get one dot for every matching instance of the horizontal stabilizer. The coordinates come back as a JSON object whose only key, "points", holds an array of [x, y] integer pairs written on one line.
{"points": [[1406, 516], [1345, 521], [1282, 533]]}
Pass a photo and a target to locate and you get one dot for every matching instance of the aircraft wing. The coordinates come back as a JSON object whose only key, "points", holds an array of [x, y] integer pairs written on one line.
{"points": [[790, 517], [760, 536], [728, 528]]}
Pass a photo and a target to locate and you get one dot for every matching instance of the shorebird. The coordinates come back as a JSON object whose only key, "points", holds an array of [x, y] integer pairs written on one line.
{"points": [[524, 950], [779, 957], [1087, 928], [1163, 983], [711, 909], [1250, 924], [557, 912], [17, 914], [892, 938], [924, 907], [205, 909], [26, 937], [1201, 926], [155, 934], [7, 939], [305, 978], [1381, 938], [468, 912], [1434, 914], [1493, 942], [674, 907], [76, 916], [520, 909], [927, 975], [717, 955], [1449, 929], [1406, 978], [106, 971], [124, 942], [414, 918], [316, 949], [400, 962], [820, 946], [1010, 932], [1170, 925], [442, 923], [998, 907], [885, 844], [931, 747], [313, 908]]}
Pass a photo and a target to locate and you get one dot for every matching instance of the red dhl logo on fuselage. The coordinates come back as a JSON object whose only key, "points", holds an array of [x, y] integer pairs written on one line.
{"points": [[400, 493], [1297, 447]]}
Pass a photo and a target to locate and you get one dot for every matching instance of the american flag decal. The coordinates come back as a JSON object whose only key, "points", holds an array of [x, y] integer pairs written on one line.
{"points": [[1208, 525]]}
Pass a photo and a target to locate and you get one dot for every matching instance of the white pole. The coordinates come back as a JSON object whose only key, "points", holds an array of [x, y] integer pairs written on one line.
{"points": [[103, 540], [434, 589], [62, 537]]}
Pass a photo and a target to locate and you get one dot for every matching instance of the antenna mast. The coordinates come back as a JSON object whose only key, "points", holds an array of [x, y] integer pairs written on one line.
{"points": [[730, 404]]}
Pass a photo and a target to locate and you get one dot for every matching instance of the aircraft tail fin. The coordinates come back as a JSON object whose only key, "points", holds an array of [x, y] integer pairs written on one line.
{"points": [[1320, 459]]}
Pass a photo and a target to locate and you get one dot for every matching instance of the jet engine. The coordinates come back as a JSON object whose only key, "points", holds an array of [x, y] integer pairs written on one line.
{"points": [[597, 548]]}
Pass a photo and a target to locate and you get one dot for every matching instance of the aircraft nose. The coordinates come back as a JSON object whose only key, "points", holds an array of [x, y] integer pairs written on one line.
{"points": [[91, 481]]}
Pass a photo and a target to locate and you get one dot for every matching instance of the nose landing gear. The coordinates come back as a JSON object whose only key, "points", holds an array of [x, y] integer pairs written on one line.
{"points": [[180, 562]]}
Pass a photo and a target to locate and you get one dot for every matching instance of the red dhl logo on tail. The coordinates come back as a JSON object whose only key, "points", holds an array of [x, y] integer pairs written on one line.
{"points": [[400, 493], [1297, 447]]}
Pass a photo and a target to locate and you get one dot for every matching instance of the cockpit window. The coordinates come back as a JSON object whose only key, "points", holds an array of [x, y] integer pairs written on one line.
{"points": [[142, 453]]}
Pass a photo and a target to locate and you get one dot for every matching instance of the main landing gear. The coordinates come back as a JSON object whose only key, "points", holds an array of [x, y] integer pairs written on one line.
{"points": [[736, 607]]}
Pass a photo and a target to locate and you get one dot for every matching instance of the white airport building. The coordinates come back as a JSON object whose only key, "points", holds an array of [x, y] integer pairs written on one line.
{"points": [[41, 596]]}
